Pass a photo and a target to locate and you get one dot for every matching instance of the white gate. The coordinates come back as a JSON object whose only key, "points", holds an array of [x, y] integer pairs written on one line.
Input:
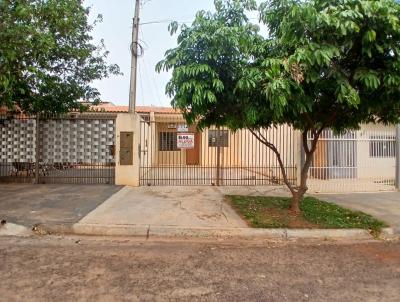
{"points": [[356, 161]]}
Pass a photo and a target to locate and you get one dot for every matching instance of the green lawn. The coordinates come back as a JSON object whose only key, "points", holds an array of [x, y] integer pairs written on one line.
{"points": [[273, 212]]}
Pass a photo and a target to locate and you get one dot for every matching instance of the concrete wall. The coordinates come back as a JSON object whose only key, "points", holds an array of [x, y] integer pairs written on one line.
{"points": [[85, 139], [127, 174], [262, 160], [245, 151], [243, 148], [374, 167], [229, 156]]}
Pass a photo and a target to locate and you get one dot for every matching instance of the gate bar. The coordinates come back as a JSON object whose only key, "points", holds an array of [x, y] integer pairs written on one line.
{"points": [[398, 157], [37, 150]]}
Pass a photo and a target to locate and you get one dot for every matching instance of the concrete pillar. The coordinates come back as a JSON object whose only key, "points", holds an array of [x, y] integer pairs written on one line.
{"points": [[127, 174], [398, 157]]}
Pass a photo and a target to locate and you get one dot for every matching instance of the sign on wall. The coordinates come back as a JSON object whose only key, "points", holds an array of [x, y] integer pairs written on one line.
{"points": [[182, 128], [185, 141]]}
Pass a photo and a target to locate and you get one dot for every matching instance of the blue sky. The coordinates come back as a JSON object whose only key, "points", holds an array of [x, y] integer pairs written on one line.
{"points": [[116, 32]]}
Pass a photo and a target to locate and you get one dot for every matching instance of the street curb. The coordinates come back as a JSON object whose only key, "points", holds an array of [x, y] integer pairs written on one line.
{"points": [[393, 232], [328, 233], [216, 233], [11, 229], [172, 231]]}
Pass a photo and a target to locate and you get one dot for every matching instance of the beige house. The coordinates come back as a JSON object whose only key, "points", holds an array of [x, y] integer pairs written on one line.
{"points": [[215, 156], [364, 159], [155, 146]]}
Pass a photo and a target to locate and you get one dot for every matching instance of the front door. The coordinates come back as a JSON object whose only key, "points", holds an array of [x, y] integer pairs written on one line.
{"points": [[193, 155]]}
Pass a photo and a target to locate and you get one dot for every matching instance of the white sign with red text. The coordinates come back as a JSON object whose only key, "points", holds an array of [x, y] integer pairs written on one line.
{"points": [[185, 141]]}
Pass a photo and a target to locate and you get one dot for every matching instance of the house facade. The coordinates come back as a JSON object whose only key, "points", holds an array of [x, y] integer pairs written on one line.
{"points": [[155, 146]]}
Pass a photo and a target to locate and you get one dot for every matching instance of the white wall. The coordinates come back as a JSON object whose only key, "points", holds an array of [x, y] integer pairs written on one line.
{"points": [[373, 167]]}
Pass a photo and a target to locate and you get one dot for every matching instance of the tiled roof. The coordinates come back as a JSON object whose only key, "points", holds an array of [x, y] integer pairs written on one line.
{"points": [[148, 109], [111, 108]]}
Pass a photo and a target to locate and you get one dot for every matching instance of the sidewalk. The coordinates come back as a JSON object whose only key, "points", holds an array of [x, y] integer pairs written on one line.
{"points": [[384, 205], [184, 207], [187, 212], [168, 211], [27, 204]]}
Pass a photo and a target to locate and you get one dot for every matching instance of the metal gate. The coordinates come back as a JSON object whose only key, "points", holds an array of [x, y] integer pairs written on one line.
{"points": [[215, 156], [356, 161], [70, 149]]}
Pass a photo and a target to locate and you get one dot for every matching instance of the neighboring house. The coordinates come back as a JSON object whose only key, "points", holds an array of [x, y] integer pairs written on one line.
{"points": [[355, 153], [76, 148]]}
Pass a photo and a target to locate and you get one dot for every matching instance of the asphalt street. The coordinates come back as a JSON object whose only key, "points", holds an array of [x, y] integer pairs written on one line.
{"points": [[122, 269]]}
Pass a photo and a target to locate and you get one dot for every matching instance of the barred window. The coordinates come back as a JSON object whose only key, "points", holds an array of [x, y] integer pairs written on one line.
{"points": [[382, 146], [168, 141], [218, 138]]}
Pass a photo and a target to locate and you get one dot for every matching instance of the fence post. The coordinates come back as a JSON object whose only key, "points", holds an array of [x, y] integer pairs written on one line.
{"points": [[300, 155], [218, 156], [398, 157], [37, 150]]}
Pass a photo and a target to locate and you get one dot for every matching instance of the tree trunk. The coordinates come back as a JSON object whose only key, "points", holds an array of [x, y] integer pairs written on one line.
{"points": [[297, 198], [295, 205], [298, 194]]}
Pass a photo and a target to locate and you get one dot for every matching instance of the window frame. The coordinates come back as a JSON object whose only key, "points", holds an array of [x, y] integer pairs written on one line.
{"points": [[382, 146], [171, 143], [222, 141]]}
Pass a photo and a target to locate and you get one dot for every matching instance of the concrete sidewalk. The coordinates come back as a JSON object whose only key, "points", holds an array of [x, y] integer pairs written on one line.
{"points": [[384, 205], [186, 207], [202, 212], [164, 211], [27, 204]]}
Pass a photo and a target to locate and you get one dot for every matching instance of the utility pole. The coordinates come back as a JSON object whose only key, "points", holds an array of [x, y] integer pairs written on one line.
{"points": [[134, 58]]}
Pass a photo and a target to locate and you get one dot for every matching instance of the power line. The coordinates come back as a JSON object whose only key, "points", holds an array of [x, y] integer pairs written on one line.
{"points": [[164, 21], [151, 77]]}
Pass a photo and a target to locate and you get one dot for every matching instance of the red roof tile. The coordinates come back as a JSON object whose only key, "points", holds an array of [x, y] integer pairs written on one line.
{"points": [[111, 108], [139, 109], [148, 109]]}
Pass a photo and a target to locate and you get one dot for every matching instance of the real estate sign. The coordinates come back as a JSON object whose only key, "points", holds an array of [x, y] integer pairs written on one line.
{"points": [[185, 141]]}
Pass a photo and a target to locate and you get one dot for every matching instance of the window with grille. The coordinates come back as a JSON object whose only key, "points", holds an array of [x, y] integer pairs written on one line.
{"points": [[382, 146], [168, 141], [218, 138]]}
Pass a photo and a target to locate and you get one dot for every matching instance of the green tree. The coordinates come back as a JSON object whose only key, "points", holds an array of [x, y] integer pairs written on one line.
{"points": [[47, 56], [324, 64]]}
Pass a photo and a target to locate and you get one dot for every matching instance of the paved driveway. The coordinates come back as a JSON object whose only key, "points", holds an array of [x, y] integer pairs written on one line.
{"points": [[187, 207], [385, 205], [28, 204]]}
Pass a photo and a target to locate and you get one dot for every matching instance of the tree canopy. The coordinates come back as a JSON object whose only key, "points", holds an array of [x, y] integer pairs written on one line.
{"points": [[323, 64], [47, 56]]}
